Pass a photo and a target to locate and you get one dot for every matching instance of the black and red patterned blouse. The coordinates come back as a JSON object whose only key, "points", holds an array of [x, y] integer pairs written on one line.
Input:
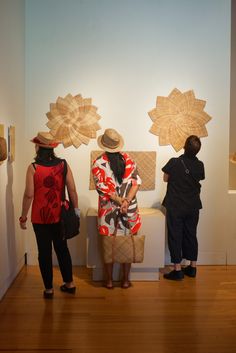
{"points": [[48, 186]]}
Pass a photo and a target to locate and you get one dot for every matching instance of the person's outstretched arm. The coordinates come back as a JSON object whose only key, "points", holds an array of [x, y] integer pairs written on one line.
{"points": [[166, 177], [103, 188], [70, 184], [28, 196]]}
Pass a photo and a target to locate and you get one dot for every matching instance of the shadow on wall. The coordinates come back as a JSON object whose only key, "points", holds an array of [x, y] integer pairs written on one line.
{"points": [[167, 252], [232, 176], [10, 221], [158, 205]]}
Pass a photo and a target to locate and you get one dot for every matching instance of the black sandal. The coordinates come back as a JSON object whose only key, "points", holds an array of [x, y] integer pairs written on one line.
{"points": [[66, 289], [47, 295]]}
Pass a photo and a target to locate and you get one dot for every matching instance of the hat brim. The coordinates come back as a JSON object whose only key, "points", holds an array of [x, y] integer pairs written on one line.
{"points": [[41, 144], [111, 150]]}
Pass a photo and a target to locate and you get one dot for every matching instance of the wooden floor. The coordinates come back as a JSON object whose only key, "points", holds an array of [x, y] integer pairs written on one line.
{"points": [[194, 316]]}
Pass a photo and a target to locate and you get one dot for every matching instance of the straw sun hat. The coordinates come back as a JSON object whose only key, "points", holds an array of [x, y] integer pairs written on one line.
{"points": [[111, 141], [45, 139]]}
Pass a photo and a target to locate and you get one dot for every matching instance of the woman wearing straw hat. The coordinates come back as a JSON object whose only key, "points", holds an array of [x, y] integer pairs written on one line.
{"points": [[44, 185], [117, 182]]}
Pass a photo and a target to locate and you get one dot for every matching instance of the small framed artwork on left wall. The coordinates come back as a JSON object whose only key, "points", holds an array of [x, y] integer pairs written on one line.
{"points": [[3, 145], [1, 130], [11, 143]]}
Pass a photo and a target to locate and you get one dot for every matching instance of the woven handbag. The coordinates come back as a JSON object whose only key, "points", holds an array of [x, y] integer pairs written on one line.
{"points": [[123, 248]]}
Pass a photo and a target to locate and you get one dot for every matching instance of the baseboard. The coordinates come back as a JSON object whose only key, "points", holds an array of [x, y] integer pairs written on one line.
{"points": [[144, 274], [212, 258], [8, 281], [207, 258]]}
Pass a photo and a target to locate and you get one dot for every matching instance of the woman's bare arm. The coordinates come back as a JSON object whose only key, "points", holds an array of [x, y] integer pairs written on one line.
{"points": [[28, 195], [71, 187], [165, 177], [132, 193]]}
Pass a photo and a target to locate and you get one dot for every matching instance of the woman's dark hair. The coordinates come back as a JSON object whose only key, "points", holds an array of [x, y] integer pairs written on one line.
{"points": [[117, 164], [192, 146], [44, 155]]}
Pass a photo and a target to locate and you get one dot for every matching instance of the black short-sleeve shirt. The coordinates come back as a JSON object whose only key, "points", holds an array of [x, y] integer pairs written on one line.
{"points": [[183, 188]]}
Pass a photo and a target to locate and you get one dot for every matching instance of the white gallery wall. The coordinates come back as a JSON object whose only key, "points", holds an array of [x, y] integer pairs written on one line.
{"points": [[123, 54], [232, 166], [232, 143], [12, 103]]}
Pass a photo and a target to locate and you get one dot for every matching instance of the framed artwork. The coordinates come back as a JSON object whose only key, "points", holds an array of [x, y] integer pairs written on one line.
{"points": [[2, 144], [11, 143], [1, 130]]}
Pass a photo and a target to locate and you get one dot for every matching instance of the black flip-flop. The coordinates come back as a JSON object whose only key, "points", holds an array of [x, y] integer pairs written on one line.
{"points": [[48, 295], [66, 289]]}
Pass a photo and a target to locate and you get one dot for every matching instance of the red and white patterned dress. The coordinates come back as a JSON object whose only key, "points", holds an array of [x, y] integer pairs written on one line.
{"points": [[106, 185]]}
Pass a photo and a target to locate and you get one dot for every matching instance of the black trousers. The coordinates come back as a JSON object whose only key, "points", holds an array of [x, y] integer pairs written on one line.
{"points": [[46, 235], [182, 234]]}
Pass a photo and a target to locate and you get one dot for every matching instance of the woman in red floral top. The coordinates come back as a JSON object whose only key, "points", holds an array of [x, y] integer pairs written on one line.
{"points": [[44, 185], [117, 182]]}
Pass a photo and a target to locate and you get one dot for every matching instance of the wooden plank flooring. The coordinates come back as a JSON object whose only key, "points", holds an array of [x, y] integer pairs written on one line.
{"points": [[192, 316]]}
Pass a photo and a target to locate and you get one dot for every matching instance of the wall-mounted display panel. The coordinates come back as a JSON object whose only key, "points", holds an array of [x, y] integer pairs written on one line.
{"points": [[11, 143], [146, 163]]}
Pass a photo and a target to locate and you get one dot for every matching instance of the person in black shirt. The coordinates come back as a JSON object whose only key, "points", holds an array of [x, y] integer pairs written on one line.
{"points": [[182, 203]]}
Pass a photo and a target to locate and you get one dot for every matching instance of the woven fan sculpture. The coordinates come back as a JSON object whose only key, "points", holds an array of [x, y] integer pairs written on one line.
{"points": [[73, 120], [178, 116]]}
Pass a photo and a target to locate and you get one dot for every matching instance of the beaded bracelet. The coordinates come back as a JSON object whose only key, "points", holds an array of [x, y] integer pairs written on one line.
{"points": [[22, 219]]}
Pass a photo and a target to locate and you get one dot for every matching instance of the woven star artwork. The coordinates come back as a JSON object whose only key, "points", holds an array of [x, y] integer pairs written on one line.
{"points": [[178, 116], [73, 120]]}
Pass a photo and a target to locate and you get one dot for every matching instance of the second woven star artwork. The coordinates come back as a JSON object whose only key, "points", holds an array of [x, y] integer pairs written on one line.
{"points": [[178, 116]]}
